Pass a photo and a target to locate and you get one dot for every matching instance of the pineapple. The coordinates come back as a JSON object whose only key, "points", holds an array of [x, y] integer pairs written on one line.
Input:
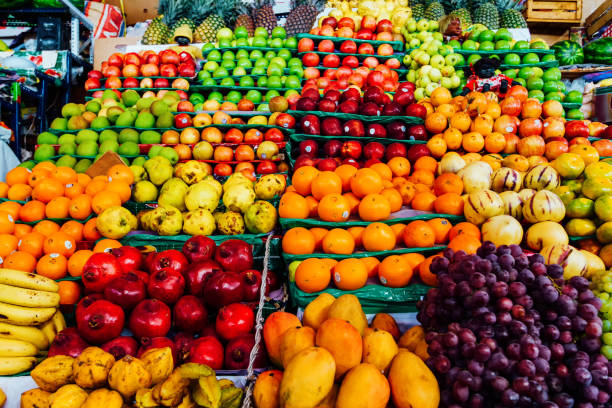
{"points": [[303, 16], [488, 15], [434, 11], [418, 11], [207, 30], [510, 12], [458, 9], [263, 15], [244, 18], [183, 24], [158, 30]]}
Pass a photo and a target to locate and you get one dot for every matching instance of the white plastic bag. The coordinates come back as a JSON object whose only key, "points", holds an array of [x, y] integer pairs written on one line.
{"points": [[8, 160]]}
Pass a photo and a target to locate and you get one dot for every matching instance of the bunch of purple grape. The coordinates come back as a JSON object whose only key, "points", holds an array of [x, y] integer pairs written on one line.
{"points": [[505, 330]]}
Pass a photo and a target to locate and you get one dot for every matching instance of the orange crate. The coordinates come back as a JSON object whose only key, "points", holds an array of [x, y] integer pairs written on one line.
{"points": [[566, 11]]}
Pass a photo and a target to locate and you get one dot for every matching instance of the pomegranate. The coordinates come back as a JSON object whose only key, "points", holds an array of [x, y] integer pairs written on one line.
{"points": [[197, 273], [199, 248], [189, 314], [183, 342], [207, 350], [148, 261], [85, 302], [234, 320], [101, 321], [238, 353], [170, 258], [126, 291], [143, 276], [121, 346], [150, 318], [147, 343], [166, 285], [209, 330], [272, 282], [252, 283], [68, 342], [223, 288], [129, 258], [99, 270], [234, 255]]}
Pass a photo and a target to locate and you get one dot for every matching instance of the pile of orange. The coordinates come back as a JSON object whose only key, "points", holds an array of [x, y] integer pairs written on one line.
{"points": [[60, 193], [373, 193]]}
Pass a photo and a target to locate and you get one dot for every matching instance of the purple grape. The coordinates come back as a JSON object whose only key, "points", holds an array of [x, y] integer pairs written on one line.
{"points": [[482, 353], [499, 384], [461, 392], [526, 368], [521, 385], [587, 311], [475, 367], [582, 376], [450, 340], [509, 398], [579, 282], [554, 271]]}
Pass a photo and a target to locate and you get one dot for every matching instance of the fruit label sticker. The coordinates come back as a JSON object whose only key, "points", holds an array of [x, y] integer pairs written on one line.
{"points": [[68, 244], [282, 6]]}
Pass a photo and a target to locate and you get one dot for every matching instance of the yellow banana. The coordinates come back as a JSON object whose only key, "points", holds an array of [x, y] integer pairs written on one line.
{"points": [[32, 334], [27, 280], [16, 365], [58, 321], [25, 316], [28, 297], [48, 329], [17, 348]]}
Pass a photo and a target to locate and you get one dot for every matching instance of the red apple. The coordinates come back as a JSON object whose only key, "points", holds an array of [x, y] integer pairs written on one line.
{"points": [[332, 148], [376, 130], [309, 147], [354, 128], [348, 47], [328, 164], [351, 149], [374, 150], [331, 127], [417, 151], [416, 110], [395, 150], [182, 120]]}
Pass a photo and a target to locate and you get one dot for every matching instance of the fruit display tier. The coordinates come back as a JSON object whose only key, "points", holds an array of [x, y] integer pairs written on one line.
{"points": [[360, 57], [402, 216], [248, 49], [542, 64], [408, 120], [220, 126], [397, 46], [228, 88]]}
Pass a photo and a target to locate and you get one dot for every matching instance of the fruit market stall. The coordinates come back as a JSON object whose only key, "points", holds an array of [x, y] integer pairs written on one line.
{"points": [[362, 204]]}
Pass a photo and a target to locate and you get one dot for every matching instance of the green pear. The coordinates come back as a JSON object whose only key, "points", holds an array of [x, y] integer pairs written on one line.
{"points": [[199, 222], [260, 217], [159, 170], [173, 193], [144, 191], [230, 223]]}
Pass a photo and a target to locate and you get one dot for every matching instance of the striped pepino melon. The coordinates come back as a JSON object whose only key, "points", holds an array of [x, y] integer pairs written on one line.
{"points": [[513, 205], [574, 263], [542, 177], [482, 205], [543, 206], [506, 179]]}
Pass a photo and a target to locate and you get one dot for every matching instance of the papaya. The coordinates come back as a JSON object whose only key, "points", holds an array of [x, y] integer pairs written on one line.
{"points": [[295, 340], [276, 324], [308, 378], [412, 382], [363, 387], [265, 391], [316, 311], [347, 307], [412, 337], [343, 341], [379, 349], [386, 322]]}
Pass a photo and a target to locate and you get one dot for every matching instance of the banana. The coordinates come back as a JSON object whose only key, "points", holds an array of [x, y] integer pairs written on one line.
{"points": [[28, 297], [16, 365], [25, 316], [17, 348], [27, 280], [48, 329], [32, 334], [58, 321]]}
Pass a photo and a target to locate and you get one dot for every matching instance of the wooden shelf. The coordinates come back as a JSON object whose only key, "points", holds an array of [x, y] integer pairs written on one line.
{"points": [[542, 21]]}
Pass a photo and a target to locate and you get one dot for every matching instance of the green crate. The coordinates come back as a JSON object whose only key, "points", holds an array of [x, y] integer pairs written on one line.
{"points": [[404, 216], [383, 120]]}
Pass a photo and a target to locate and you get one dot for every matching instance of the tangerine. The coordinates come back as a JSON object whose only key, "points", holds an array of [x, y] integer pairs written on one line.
{"points": [[69, 292], [400, 166], [319, 234], [65, 175], [383, 171], [52, 266], [46, 227], [80, 207], [394, 198], [414, 259], [60, 243], [334, 208], [398, 230], [464, 228], [73, 229], [423, 201], [366, 181], [350, 274], [371, 263], [313, 206], [298, 241], [19, 192], [73, 190], [32, 243], [357, 233], [58, 208], [77, 261], [18, 175], [7, 223], [448, 183], [449, 203], [441, 227], [324, 183], [293, 205], [426, 163], [419, 234], [338, 241], [106, 244], [428, 277], [21, 261], [374, 207], [353, 202], [378, 236], [312, 275], [465, 242], [345, 172], [48, 190], [95, 186], [105, 199], [8, 244], [90, 231], [394, 272], [425, 177], [436, 122], [120, 172], [302, 179], [21, 230], [121, 188], [32, 211]]}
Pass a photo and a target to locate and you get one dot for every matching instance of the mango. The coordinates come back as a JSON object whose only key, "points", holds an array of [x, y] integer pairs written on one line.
{"points": [[275, 326], [266, 389], [343, 341], [411, 338], [386, 322], [412, 382], [316, 311], [330, 399], [379, 349], [363, 387], [347, 307], [295, 340], [308, 378]]}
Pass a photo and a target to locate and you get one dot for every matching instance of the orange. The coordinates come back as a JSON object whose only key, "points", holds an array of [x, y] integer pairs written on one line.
{"points": [[121, 188], [414, 259], [69, 292], [77, 261], [21, 230], [312, 275], [465, 242], [11, 207], [345, 172], [80, 207], [313, 206], [495, 142], [58, 208], [338, 241], [319, 234], [394, 198], [8, 244], [52, 266], [374, 207], [449, 203], [46, 227], [73, 190], [400, 166], [60, 243], [18, 175], [293, 205], [4, 188], [423, 201], [427, 277], [357, 233], [378, 237], [120, 172], [298, 241], [407, 190], [32, 211], [48, 190], [106, 244], [105, 199], [350, 274], [19, 192], [334, 208], [32, 243], [65, 175], [44, 166], [448, 183], [324, 183], [383, 171], [436, 122], [353, 202], [419, 234], [302, 179], [398, 230], [83, 179], [394, 272], [366, 181], [90, 231], [73, 229], [21, 261], [7, 223], [423, 177], [427, 163], [371, 265], [330, 262], [441, 229], [95, 186], [461, 121], [37, 177], [437, 146], [453, 138], [473, 142]]}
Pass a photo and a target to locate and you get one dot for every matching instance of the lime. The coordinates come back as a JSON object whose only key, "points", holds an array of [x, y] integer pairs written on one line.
{"points": [[203, 74], [274, 81], [227, 81], [551, 86], [271, 94], [215, 96], [225, 44], [269, 55], [455, 44], [290, 92], [538, 45], [262, 62], [258, 71], [525, 73], [486, 35], [553, 96], [276, 42], [511, 73], [241, 32], [228, 64], [574, 114], [512, 59], [535, 83], [537, 71], [242, 53], [220, 73], [469, 45], [228, 55], [262, 82], [253, 96], [246, 81], [486, 46], [261, 32], [531, 58], [503, 34], [573, 97], [259, 42], [234, 96], [263, 107], [279, 61], [291, 42], [473, 58], [214, 55], [294, 62], [209, 82], [284, 53], [196, 98], [297, 71], [561, 86], [28, 164], [502, 45], [519, 81], [208, 47], [256, 54], [244, 63], [548, 57], [210, 66], [537, 94], [279, 32], [293, 81], [239, 71], [553, 74], [521, 45]]}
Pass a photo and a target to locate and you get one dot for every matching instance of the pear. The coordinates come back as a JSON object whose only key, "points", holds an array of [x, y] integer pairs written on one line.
{"points": [[193, 172], [159, 170], [236, 179], [144, 191], [269, 186], [173, 193], [139, 173], [199, 222], [165, 220], [116, 222], [202, 195], [238, 198], [211, 181], [260, 217], [230, 223]]}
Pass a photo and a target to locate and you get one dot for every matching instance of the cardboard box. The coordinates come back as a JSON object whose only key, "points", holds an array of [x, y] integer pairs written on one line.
{"points": [[100, 167], [104, 47], [137, 10]]}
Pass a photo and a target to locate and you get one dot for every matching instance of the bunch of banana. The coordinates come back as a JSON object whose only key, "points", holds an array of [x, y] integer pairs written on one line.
{"points": [[29, 319]]}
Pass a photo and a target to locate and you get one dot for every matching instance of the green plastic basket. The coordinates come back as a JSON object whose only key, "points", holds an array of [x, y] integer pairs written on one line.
{"points": [[249, 49], [403, 216], [503, 52], [364, 254], [569, 105], [545, 64], [383, 120]]}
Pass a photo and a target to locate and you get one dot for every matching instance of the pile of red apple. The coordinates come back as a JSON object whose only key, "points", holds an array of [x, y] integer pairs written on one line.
{"points": [[199, 294], [351, 74], [142, 70], [369, 29]]}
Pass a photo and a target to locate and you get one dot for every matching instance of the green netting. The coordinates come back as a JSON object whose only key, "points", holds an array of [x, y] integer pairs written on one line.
{"points": [[364, 254], [383, 120], [17, 201], [404, 215], [161, 130], [249, 48], [397, 45], [570, 105], [59, 221], [503, 52], [545, 64], [578, 238], [360, 57], [373, 298], [224, 88]]}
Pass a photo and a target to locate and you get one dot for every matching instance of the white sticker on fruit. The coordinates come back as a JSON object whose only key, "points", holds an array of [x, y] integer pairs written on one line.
{"points": [[372, 131], [53, 255], [68, 244], [346, 129], [308, 149], [546, 124], [337, 277], [345, 214], [382, 280], [509, 129], [10, 218], [306, 123], [69, 185]]}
